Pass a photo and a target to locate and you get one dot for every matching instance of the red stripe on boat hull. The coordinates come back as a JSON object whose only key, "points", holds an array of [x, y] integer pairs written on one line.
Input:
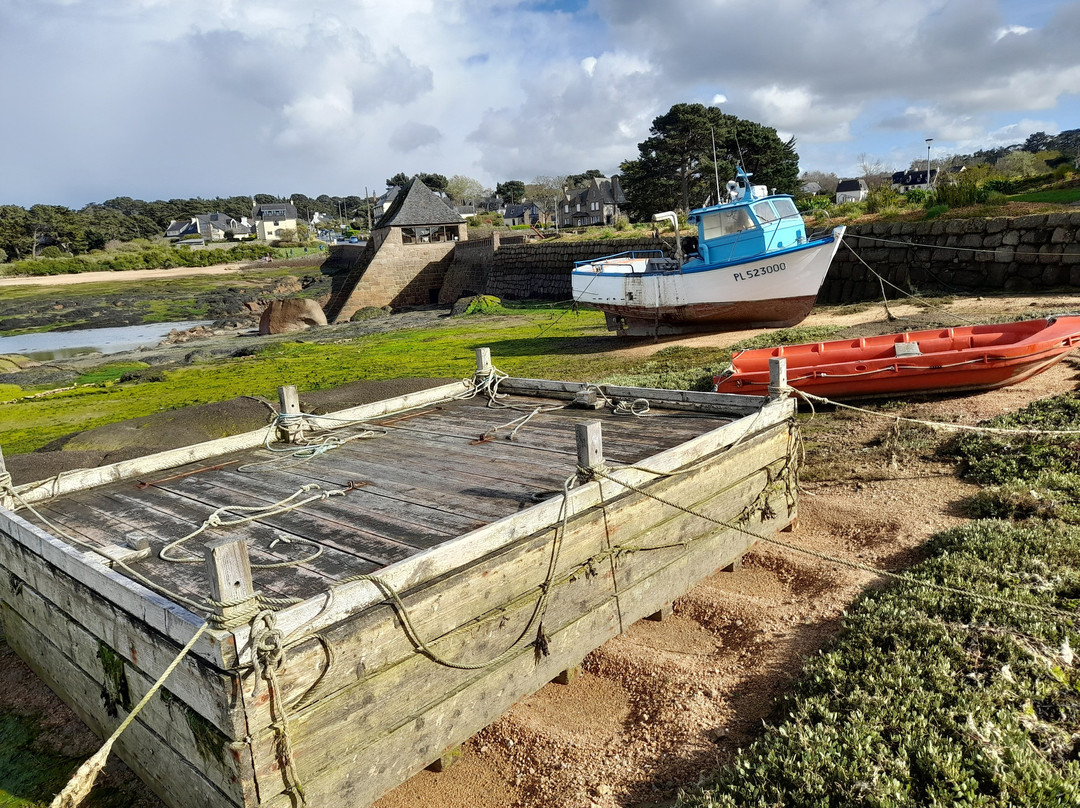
{"points": [[735, 316]]}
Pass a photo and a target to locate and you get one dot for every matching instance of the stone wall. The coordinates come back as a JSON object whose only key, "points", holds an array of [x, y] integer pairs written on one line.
{"points": [[542, 270], [472, 264], [1021, 254]]}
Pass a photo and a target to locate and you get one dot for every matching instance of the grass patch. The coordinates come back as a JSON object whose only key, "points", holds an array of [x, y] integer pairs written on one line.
{"points": [[929, 698], [534, 341], [111, 372], [1055, 196]]}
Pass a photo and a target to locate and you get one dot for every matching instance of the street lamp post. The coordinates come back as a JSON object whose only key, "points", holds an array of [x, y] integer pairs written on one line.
{"points": [[929, 140]]}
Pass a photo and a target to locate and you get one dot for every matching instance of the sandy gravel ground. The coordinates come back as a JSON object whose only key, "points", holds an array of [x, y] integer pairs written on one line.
{"points": [[130, 275], [660, 706]]}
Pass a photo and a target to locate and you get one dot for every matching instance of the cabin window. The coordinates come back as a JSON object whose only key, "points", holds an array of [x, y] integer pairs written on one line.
{"points": [[764, 212], [725, 223], [786, 208]]}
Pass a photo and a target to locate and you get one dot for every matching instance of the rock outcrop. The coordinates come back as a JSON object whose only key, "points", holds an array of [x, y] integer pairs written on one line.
{"points": [[291, 314]]}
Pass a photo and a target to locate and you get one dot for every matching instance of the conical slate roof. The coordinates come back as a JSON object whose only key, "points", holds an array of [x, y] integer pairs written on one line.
{"points": [[417, 206]]}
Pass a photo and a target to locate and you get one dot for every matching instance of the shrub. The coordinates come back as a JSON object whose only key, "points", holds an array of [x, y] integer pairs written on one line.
{"points": [[52, 251], [993, 459], [882, 198], [622, 223], [936, 210], [916, 196]]}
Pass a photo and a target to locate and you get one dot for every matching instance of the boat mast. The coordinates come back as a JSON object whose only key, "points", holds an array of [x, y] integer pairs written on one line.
{"points": [[715, 167]]}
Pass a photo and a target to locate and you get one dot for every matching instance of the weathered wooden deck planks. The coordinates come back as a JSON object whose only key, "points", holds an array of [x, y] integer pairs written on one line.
{"points": [[453, 575]]}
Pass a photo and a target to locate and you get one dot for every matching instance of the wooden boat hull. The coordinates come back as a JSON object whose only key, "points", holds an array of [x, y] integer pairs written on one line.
{"points": [[771, 290], [965, 359]]}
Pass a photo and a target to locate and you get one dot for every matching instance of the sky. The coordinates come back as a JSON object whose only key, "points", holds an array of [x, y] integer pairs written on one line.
{"points": [[160, 99]]}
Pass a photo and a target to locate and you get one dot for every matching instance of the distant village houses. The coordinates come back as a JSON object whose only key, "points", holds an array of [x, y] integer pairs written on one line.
{"points": [[854, 190], [598, 203], [209, 227], [528, 213]]}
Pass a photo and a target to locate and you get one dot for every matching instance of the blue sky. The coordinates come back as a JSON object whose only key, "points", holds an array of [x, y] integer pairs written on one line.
{"points": [[177, 98]]}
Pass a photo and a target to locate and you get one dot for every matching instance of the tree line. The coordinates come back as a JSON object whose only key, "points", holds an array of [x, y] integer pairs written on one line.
{"points": [[690, 153]]}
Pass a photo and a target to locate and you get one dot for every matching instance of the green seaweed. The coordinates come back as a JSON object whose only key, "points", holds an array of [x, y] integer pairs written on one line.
{"points": [[114, 690]]}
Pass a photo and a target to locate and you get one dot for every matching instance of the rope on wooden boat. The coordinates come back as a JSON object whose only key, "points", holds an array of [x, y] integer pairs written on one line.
{"points": [[79, 786], [898, 576], [268, 654], [251, 513], [810, 398]]}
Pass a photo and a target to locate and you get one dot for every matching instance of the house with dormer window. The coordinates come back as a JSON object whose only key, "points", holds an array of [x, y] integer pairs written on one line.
{"points": [[272, 218], [599, 202]]}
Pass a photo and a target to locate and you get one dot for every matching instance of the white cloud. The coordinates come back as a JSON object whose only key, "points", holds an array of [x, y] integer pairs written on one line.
{"points": [[328, 95]]}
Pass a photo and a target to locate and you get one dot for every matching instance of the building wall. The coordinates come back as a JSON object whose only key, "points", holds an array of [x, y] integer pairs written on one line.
{"points": [[542, 270], [268, 229], [395, 275]]}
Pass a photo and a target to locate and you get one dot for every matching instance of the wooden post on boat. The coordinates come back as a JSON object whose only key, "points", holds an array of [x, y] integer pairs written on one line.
{"points": [[590, 445], [289, 399], [483, 361], [777, 378], [229, 570], [6, 500]]}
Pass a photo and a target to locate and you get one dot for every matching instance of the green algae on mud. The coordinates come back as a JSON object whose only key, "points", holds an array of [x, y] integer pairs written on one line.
{"points": [[35, 309], [530, 342]]}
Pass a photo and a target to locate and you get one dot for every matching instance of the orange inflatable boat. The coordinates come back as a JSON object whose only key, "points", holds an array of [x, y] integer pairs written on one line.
{"points": [[978, 357]]}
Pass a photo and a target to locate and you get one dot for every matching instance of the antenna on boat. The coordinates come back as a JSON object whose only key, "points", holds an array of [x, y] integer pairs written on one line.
{"points": [[716, 169]]}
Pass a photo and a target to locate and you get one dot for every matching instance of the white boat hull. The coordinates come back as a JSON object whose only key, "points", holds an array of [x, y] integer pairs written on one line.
{"points": [[770, 291]]}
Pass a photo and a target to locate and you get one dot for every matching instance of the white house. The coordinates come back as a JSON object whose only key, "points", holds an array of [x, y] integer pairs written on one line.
{"points": [[851, 191], [272, 219]]}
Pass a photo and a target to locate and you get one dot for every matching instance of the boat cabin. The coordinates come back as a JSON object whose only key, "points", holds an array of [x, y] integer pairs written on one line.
{"points": [[752, 223]]}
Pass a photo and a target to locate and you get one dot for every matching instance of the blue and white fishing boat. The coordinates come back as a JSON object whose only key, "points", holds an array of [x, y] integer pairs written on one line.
{"points": [[751, 265]]}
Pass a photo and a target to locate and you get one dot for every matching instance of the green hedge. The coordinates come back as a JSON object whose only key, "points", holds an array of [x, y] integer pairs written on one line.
{"points": [[152, 258]]}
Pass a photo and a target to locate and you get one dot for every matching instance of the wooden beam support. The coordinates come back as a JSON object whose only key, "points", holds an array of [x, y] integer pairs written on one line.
{"points": [[777, 378], [6, 499], [229, 569], [567, 676], [289, 425], [661, 614], [734, 566]]}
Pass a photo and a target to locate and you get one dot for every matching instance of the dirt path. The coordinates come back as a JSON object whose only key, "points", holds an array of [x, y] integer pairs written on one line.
{"points": [[663, 704], [130, 275]]}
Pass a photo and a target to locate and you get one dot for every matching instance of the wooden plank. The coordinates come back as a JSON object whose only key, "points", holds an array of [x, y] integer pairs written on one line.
{"points": [[174, 779], [373, 640], [717, 402], [88, 478], [630, 438], [183, 730], [213, 693], [464, 550], [348, 529]]}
